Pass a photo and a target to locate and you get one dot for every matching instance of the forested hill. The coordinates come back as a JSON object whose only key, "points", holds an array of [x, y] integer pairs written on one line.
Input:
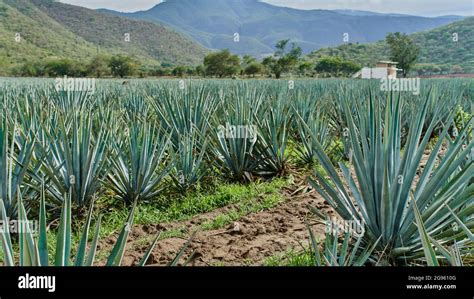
{"points": [[437, 48], [33, 30]]}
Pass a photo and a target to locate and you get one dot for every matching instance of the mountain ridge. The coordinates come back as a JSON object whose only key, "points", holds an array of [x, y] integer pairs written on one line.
{"points": [[260, 25]]}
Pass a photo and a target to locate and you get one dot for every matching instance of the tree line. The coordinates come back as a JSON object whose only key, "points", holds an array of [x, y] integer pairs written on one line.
{"points": [[99, 66], [287, 59]]}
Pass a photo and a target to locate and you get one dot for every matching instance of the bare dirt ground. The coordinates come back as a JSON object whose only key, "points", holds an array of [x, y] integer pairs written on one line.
{"points": [[248, 241]]}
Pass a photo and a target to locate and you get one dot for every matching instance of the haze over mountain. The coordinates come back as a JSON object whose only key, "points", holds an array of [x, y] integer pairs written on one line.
{"points": [[214, 23], [49, 29]]}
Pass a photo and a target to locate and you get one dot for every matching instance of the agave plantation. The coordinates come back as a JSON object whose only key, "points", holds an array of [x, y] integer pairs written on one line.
{"points": [[400, 165]]}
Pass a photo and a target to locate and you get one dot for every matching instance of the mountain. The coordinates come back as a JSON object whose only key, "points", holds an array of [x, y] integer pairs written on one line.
{"points": [[40, 36], [436, 47], [213, 23], [362, 13], [50, 29]]}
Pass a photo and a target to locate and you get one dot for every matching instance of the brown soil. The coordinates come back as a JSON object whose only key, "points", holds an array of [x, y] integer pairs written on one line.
{"points": [[246, 242]]}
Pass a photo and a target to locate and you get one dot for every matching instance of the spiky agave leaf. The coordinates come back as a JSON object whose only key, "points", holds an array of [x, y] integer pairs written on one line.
{"points": [[138, 170], [430, 254], [116, 256], [34, 253], [63, 241], [235, 137], [15, 157], [93, 247], [334, 253], [315, 126], [145, 258], [189, 165], [183, 110], [5, 237], [274, 130], [180, 253], [43, 236], [385, 176], [75, 159], [29, 255], [81, 250]]}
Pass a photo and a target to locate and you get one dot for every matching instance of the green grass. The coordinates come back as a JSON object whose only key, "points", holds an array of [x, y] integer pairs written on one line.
{"points": [[248, 199], [198, 203], [242, 209], [290, 258], [187, 207]]}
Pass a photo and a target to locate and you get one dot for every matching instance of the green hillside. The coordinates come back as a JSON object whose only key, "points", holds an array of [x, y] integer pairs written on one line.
{"points": [[41, 37], [436, 47], [53, 30]]}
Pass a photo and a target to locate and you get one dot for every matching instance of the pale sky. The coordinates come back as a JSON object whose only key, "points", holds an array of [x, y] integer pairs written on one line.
{"points": [[413, 7]]}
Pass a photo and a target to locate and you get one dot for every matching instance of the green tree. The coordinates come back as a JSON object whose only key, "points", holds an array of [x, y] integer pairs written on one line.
{"points": [[426, 69], [283, 60], [30, 69], [402, 50], [122, 66], [248, 60], [272, 66], [179, 71], [253, 69], [63, 67], [160, 71], [200, 70], [336, 66], [190, 71], [221, 64], [445, 68], [304, 68], [457, 69], [98, 66]]}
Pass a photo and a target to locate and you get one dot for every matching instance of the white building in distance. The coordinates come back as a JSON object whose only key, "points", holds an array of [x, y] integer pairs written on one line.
{"points": [[382, 70]]}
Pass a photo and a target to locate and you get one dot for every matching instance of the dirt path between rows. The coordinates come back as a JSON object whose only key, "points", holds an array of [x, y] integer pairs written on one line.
{"points": [[248, 241]]}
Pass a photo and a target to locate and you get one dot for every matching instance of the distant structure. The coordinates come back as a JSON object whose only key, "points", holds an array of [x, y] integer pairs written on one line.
{"points": [[382, 70]]}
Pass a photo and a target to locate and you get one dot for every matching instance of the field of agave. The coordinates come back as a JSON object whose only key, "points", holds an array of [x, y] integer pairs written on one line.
{"points": [[404, 170]]}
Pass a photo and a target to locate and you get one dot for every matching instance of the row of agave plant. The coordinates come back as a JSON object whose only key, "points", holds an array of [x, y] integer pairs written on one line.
{"points": [[60, 149], [407, 207], [137, 140]]}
